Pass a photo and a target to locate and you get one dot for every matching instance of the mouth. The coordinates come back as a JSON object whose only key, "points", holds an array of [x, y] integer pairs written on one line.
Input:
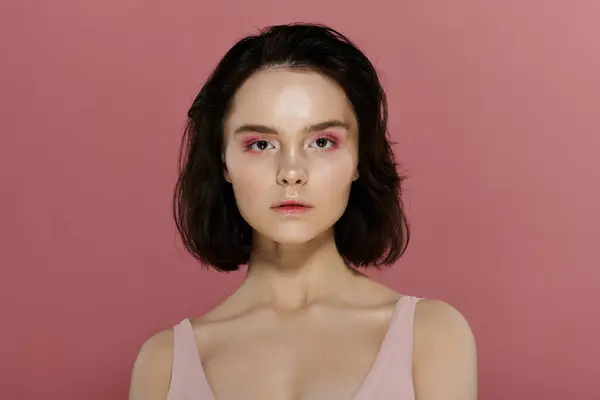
{"points": [[291, 207]]}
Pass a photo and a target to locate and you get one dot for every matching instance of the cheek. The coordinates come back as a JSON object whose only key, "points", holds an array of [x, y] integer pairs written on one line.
{"points": [[246, 194], [240, 165], [334, 178], [248, 177], [338, 169]]}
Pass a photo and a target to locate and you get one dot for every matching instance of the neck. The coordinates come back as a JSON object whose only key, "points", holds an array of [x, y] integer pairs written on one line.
{"points": [[291, 276]]}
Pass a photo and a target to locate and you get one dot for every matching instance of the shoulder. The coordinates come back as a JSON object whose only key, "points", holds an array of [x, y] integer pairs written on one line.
{"points": [[151, 375], [445, 360], [439, 320]]}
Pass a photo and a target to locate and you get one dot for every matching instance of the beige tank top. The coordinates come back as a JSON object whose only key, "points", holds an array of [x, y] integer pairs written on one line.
{"points": [[390, 376]]}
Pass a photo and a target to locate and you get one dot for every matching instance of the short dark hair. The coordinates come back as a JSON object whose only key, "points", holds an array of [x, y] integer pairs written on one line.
{"points": [[372, 232]]}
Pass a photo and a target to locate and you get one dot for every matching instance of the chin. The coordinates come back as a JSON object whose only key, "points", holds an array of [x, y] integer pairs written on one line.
{"points": [[290, 236], [293, 235]]}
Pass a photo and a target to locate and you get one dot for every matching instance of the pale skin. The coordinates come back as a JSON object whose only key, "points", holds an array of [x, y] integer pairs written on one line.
{"points": [[303, 325]]}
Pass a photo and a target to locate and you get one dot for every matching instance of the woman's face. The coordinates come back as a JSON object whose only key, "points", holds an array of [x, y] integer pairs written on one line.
{"points": [[291, 136]]}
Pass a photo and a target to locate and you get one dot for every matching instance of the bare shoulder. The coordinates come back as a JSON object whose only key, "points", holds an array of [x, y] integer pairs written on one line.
{"points": [[445, 356], [440, 320], [151, 375]]}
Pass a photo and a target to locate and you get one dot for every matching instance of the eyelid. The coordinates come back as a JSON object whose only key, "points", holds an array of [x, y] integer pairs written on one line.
{"points": [[328, 136], [248, 143], [333, 142], [251, 140]]}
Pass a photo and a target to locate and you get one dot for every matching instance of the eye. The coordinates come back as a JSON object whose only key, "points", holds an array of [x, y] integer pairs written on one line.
{"points": [[323, 143], [259, 145]]}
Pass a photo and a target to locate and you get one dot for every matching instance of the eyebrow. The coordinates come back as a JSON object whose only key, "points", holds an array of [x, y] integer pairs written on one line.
{"points": [[334, 123]]}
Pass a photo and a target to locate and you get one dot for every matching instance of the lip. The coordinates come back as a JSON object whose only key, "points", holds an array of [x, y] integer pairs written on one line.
{"points": [[291, 207], [291, 203]]}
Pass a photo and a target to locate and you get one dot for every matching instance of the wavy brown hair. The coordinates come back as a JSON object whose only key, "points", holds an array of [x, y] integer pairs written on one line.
{"points": [[372, 232]]}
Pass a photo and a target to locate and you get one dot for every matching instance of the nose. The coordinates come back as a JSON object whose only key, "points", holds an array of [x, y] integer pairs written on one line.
{"points": [[290, 179], [291, 172]]}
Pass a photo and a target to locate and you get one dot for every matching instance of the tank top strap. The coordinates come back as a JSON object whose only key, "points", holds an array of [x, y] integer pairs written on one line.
{"points": [[187, 374], [401, 331], [391, 375]]}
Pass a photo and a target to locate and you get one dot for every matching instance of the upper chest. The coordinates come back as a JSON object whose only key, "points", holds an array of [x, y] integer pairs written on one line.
{"points": [[318, 356]]}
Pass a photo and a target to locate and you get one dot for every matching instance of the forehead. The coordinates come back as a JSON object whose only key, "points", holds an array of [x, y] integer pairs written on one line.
{"points": [[290, 99]]}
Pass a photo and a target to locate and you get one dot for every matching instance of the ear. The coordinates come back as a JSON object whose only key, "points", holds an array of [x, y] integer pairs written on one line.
{"points": [[226, 173], [356, 175]]}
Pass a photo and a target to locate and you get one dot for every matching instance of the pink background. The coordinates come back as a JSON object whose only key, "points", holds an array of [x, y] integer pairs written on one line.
{"points": [[495, 106]]}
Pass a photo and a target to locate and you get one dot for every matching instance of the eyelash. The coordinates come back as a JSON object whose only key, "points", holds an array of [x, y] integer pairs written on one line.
{"points": [[334, 143], [248, 145]]}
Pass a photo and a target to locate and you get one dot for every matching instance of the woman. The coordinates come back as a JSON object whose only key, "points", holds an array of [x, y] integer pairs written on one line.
{"points": [[286, 167]]}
